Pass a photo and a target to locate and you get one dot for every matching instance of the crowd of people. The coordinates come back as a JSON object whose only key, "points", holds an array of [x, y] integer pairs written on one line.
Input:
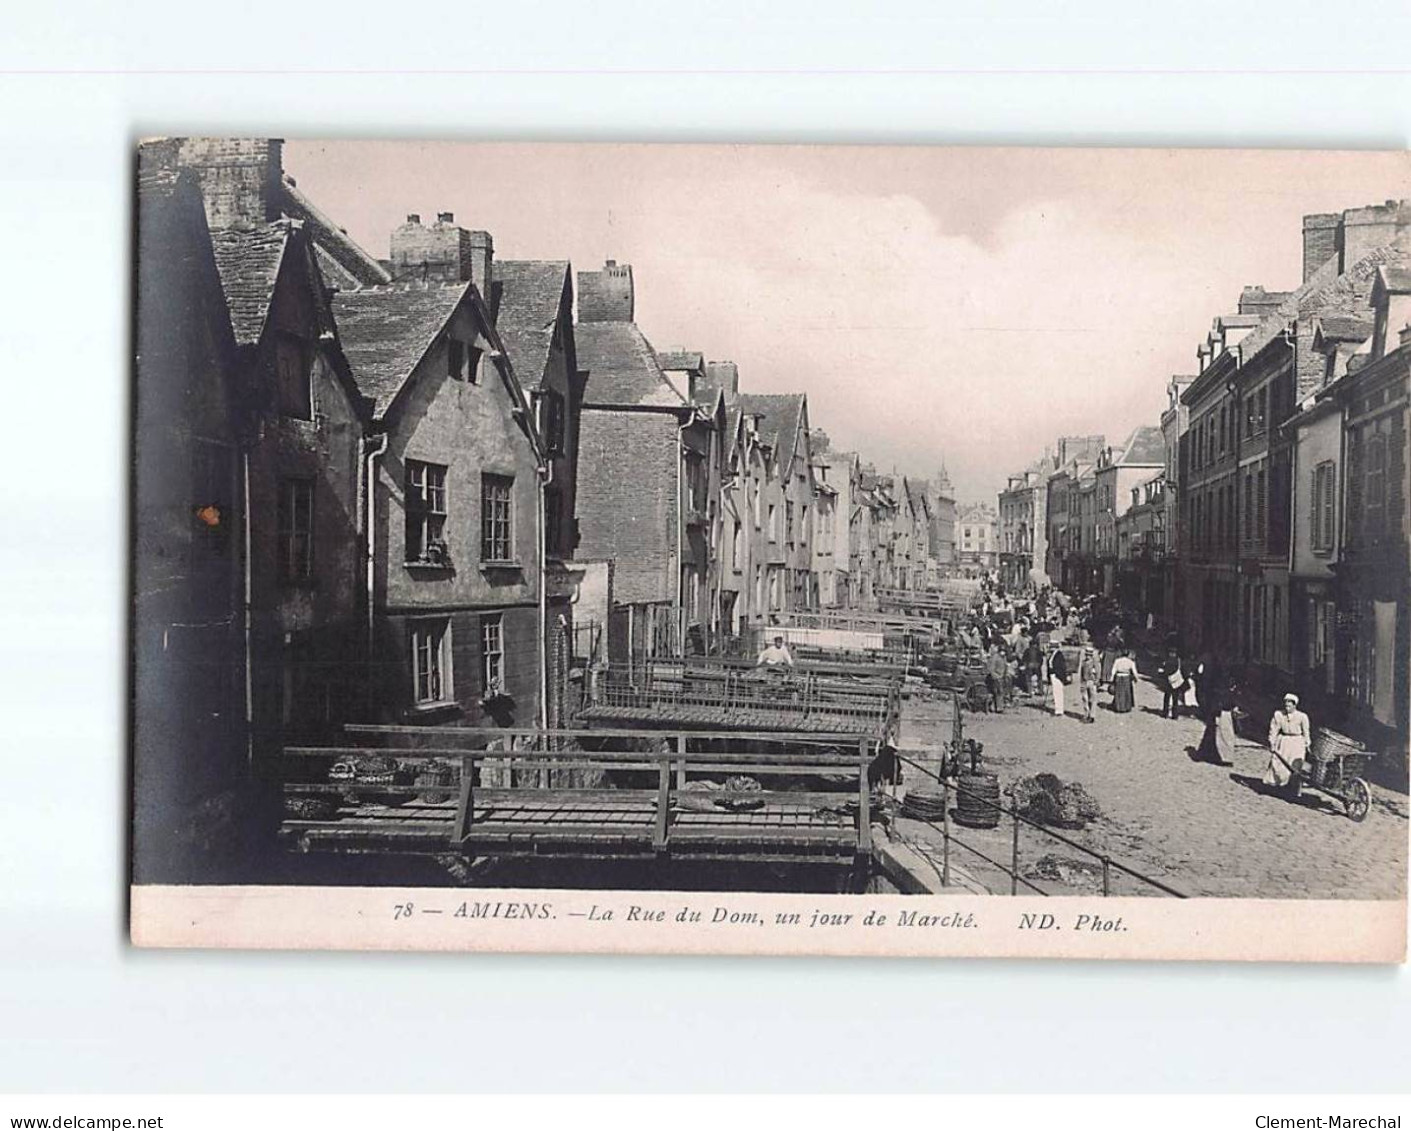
{"points": [[1045, 644]]}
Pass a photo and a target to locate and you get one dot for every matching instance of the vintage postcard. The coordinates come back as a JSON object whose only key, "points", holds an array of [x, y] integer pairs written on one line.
{"points": [[771, 549]]}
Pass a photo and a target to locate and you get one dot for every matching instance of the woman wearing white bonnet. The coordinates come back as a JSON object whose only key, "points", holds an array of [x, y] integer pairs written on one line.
{"points": [[1290, 735]]}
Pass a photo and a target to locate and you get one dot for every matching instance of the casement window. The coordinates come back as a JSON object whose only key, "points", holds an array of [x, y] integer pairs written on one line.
{"points": [[492, 654], [737, 547], [293, 378], [1322, 510], [431, 661], [551, 422], [553, 520], [773, 523], [426, 512], [462, 361], [697, 483], [496, 518], [296, 529]]}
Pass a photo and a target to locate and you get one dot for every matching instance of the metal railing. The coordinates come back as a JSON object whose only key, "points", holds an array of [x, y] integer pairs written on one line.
{"points": [[1017, 820], [582, 812], [784, 699]]}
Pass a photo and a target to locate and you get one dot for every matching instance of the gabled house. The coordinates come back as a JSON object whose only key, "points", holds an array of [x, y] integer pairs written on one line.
{"points": [[191, 729], [1242, 490], [533, 309], [649, 474], [840, 473], [745, 490], [976, 536], [308, 420], [1373, 589], [826, 503], [454, 470], [921, 568], [782, 420], [280, 435], [1117, 471]]}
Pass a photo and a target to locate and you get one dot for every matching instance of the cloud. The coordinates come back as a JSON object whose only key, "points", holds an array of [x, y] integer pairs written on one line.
{"points": [[971, 304]]}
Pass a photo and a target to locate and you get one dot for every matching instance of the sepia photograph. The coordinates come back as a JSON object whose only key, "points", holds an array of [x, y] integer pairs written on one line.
{"points": [[573, 538]]}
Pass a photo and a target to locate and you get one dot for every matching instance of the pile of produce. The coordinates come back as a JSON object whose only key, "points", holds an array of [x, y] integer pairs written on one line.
{"points": [[1048, 800]]}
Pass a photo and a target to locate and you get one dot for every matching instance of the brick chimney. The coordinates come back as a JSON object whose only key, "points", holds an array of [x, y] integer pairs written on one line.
{"points": [[438, 251], [1322, 241], [1366, 229], [480, 264], [606, 295], [240, 177]]}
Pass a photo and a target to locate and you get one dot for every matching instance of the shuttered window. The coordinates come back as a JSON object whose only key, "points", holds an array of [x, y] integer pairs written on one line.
{"points": [[1321, 507], [1261, 528], [1374, 491]]}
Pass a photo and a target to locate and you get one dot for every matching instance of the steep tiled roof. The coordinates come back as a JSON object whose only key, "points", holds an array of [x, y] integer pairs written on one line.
{"points": [[347, 257], [622, 366], [385, 332], [780, 416], [530, 293], [248, 260], [1326, 293], [1144, 445]]}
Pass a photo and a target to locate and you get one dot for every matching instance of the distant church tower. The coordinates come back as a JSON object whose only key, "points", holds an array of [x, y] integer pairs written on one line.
{"points": [[943, 485]]}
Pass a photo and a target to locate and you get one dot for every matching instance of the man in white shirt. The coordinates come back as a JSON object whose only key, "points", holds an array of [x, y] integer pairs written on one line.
{"points": [[775, 655]]}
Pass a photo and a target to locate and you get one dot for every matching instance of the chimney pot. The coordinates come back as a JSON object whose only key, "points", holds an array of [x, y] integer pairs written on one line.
{"points": [[445, 217], [413, 218]]}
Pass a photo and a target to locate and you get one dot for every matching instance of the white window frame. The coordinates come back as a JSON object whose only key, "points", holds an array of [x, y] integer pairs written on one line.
{"points": [[431, 640], [492, 654], [489, 538], [425, 486]]}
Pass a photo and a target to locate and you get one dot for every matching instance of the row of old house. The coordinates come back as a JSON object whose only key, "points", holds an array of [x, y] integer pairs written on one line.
{"points": [[431, 488], [1264, 520]]}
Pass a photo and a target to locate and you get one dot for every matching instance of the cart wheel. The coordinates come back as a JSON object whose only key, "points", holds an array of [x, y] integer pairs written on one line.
{"points": [[1358, 799]]}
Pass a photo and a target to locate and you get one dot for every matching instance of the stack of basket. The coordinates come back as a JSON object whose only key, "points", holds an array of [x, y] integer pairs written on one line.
{"points": [[920, 805], [977, 801]]}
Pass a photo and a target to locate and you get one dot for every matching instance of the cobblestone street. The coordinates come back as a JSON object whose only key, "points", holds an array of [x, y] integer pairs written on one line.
{"points": [[1204, 829]]}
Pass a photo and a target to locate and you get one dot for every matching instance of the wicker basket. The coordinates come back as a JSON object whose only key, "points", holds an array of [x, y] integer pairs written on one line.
{"points": [[1329, 744]]}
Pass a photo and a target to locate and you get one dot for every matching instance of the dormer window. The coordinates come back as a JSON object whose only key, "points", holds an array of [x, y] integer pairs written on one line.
{"points": [[293, 378]]}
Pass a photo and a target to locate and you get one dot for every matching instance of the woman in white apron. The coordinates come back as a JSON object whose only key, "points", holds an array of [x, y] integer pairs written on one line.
{"points": [[1290, 735]]}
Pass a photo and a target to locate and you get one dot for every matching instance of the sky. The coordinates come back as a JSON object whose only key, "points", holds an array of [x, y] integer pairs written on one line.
{"points": [[954, 305]]}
